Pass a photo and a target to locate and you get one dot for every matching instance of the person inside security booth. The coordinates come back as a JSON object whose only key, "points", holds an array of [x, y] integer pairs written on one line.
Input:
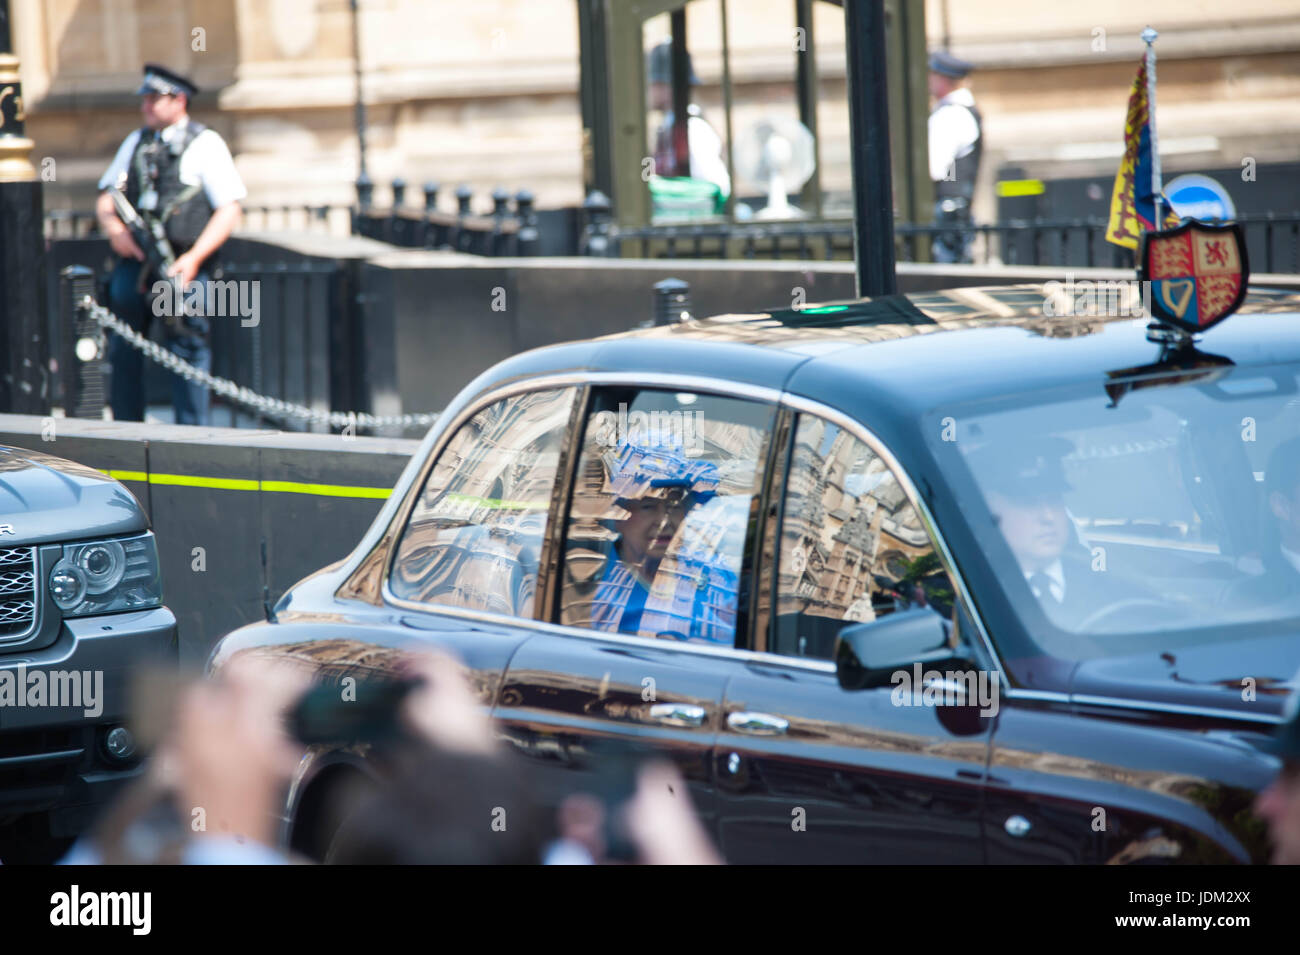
{"points": [[179, 172], [669, 187], [955, 132]]}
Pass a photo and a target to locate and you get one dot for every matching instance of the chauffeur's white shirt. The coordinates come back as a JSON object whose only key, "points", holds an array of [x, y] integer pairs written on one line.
{"points": [[206, 162], [1055, 574]]}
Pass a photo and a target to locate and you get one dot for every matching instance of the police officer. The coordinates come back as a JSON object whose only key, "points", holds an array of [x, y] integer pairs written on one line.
{"points": [[179, 172], [956, 140]]}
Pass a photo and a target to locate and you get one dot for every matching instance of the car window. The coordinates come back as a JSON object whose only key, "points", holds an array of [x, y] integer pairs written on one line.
{"points": [[475, 533], [662, 501], [852, 547], [1136, 519]]}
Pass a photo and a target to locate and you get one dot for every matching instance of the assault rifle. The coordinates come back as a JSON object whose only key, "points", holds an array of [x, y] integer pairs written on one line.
{"points": [[159, 257]]}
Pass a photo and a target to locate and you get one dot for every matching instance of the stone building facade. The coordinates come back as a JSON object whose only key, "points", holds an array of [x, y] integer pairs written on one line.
{"points": [[485, 93]]}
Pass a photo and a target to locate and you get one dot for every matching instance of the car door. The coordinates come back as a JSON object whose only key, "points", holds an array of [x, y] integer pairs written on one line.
{"points": [[809, 771], [465, 566], [652, 560]]}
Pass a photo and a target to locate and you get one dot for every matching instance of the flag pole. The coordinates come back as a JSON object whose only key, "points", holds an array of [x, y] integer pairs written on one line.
{"points": [[1157, 185]]}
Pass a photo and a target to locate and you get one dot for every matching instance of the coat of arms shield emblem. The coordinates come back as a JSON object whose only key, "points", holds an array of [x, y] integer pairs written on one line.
{"points": [[1198, 273]]}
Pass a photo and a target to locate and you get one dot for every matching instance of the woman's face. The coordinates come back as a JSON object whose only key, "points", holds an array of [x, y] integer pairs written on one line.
{"points": [[651, 526]]}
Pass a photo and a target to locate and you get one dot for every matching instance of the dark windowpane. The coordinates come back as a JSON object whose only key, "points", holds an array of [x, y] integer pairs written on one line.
{"points": [[475, 534], [852, 547]]}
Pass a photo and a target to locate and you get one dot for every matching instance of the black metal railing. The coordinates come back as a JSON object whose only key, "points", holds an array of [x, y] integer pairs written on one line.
{"points": [[70, 224], [328, 219], [1273, 241], [282, 323], [509, 229]]}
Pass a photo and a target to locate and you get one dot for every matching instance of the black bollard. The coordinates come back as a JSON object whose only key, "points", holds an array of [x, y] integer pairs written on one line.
{"points": [[396, 231], [365, 192], [500, 211], [464, 239], [81, 347], [672, 302], [529, 236], [361, 215], [431, 188]]}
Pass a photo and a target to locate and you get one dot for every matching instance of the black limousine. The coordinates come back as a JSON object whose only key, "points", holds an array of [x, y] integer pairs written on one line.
{"points": [[976, 576]]}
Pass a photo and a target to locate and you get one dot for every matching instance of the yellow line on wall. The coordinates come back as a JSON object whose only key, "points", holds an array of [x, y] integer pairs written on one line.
{"points": [[242, 484]]}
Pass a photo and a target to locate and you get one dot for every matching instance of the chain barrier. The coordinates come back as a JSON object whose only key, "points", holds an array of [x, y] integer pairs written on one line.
{"points": [[263, 405]]}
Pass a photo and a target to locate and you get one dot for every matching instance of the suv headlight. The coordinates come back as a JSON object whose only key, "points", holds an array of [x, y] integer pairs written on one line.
{"points": [[106, 576]]}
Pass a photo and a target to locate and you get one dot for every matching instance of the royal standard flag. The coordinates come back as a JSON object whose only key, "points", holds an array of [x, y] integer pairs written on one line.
{"points": [[1132, 203]]}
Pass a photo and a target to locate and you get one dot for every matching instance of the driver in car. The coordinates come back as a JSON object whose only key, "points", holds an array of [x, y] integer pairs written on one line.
{"points": [[1025, 486], [659, 582], [1280, 580]]}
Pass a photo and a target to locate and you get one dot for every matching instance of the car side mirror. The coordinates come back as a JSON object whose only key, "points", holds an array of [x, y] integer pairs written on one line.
{"points": [[868, 654]]}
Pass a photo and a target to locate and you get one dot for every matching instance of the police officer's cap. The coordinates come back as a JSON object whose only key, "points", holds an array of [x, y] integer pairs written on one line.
{"points": [[945, 64], [661, 64], [159, 79], [1023, 470]]}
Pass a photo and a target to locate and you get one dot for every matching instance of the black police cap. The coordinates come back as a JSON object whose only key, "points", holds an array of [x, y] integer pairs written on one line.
{"points": [[945, 64], [1026, 469], [159, 79]]}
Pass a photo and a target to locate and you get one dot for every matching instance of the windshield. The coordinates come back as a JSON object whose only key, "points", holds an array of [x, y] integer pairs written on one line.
{"points": [[1153, 522]]}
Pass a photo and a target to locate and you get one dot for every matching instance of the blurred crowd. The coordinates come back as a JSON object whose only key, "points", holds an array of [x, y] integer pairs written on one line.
{"points": [[214, 790], [215, 787]]}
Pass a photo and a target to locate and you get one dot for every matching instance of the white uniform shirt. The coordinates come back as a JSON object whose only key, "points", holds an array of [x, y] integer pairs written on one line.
{"points": [[206, 162], [952, 131], [706, 149], [1055, 574]]}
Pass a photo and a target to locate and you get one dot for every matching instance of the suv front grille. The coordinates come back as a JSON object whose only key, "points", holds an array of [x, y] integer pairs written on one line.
{"points": [[17, 590]]}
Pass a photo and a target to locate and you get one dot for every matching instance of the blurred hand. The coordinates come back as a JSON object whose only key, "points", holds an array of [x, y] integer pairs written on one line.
{"points": [[122, 243], [663, 823], [659, 819], [186, 267], [445, 710], [228, 754]]}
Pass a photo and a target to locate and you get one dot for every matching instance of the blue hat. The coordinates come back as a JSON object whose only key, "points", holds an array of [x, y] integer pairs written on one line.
{"points": [[640, 470], [165, 82], [945, 64]]}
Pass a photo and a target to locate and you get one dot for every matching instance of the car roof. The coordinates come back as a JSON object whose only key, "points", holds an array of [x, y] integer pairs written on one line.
{"points": [[920, 349], [905, 354]]}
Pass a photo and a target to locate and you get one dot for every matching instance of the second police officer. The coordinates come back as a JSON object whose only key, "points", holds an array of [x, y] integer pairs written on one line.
{"points": [[956, 141]]}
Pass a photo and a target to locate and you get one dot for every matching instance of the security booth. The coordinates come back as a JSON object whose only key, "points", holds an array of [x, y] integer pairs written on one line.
{"points": [[710, 125]]}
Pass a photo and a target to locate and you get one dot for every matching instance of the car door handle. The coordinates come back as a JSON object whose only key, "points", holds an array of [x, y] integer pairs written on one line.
{"points": [[678, 714], [757, 724]]}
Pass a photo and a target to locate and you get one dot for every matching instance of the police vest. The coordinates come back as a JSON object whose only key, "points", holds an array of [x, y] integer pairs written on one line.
{"points": [[966, 168], [184, 210]]}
